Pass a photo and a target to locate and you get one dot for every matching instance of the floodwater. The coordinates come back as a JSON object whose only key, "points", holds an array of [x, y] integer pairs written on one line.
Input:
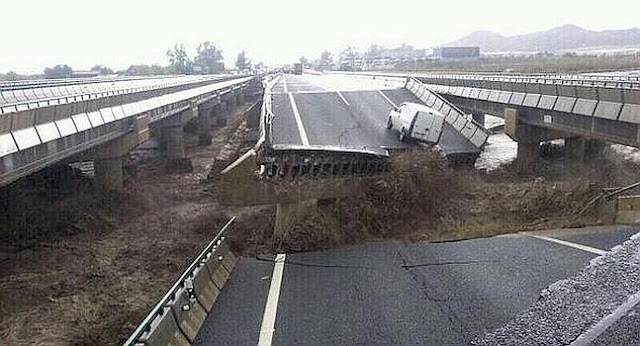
{"points": [[499, 150]]}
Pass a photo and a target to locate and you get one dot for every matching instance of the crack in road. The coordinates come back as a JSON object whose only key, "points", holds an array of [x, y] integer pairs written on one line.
{"points": [[443, 305]]}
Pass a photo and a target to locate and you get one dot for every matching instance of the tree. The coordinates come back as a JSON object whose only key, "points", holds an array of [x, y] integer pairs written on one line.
{"points": [[374, 51], [326, 60], [146, 70], [179, 60], [58, 71], [11, 76], [208, 58], [242, 63], [304, 61], [349, 59], [103, 70]]}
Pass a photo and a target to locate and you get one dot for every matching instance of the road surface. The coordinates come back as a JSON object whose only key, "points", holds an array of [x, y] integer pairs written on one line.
{"points": [[404, 293], [345, 111]]}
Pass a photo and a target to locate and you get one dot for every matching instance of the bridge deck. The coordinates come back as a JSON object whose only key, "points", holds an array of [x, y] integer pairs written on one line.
{"points": [[348, 112]]}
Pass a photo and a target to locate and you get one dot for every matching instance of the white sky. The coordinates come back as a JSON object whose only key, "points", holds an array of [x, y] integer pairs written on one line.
{"points": [[118, 33]]}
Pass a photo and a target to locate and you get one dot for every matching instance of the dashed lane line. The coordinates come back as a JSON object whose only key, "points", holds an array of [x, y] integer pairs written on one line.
{"points": [[343, 99], [269, 318], [387, 98]]}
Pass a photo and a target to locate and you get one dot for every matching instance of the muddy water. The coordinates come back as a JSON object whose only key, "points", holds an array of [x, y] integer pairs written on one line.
{"points": [[499, 150]]}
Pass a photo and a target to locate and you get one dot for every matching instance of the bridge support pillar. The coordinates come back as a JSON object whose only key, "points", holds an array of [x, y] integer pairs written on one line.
{"points": [[108, 173], [581, 149], [479, 118], [288, 214], [204, 126], [240, 97], [528, 154], [177, 160], [233, 102], [221, 113]]}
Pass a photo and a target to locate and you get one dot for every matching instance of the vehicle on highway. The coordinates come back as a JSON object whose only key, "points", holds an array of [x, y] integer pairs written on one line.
{"points": [[297, 68], [415, 121]]}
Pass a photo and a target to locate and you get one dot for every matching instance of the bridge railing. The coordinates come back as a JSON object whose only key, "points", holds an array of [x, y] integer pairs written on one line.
{"points": [[31, 98], [179, 314], [266, 114], [464, 123], [32, 138]]}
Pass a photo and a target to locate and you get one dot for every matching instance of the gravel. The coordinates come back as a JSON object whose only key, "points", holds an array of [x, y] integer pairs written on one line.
{"points": [[569, 308]]}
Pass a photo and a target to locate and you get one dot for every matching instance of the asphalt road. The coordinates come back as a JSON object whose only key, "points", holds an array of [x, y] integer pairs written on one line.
{"points": [[396, 293], [344, 111]]}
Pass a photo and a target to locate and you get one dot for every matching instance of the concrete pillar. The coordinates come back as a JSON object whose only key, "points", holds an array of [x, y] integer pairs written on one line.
{"points": [[479, 118], [233, 103], [528, 154], [240, 98], [221, 113], [288, 214], [580, 149], [575, 148], [595, 150], [177, 160], [108, 173], [204, 126]]}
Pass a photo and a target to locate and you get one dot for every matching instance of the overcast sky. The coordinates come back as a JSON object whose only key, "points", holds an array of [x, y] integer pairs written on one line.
{"points": [[118, 33]]}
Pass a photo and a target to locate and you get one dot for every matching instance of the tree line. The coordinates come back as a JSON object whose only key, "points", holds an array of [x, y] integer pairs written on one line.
{"points": [[207, 60]]}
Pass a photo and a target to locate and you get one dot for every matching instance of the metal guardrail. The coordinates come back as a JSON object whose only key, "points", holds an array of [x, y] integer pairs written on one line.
{"points": [[41, 83], [33, 98], [630, 83], [266, 114], [150, 322], [620, 82], [475, 133]]}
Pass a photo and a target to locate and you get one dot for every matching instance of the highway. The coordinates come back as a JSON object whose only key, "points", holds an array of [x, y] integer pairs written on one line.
{"points": [[403, 293], [345, 111]]}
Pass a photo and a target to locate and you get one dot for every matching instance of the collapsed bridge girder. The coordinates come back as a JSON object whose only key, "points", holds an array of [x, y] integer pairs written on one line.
{"points": [[295, 179]]}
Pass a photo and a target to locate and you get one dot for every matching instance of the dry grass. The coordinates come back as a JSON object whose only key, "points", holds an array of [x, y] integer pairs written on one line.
{"points": [[424, 199]]}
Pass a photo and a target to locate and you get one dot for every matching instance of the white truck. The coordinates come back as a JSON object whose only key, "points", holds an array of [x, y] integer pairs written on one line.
{"points": [[415, 121]]}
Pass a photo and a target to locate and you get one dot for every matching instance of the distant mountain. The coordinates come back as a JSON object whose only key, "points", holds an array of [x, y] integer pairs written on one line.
{"points": [[560, 38]]}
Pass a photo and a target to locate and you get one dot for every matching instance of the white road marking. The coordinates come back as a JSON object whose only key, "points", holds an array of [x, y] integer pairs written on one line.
{"points": [[269, 318], [570, 244], [388, 99], [587, 337], [284, 83], [296, 115], [343, 99]]}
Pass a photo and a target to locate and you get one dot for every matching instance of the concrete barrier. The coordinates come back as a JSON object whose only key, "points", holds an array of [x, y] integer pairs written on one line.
{"points": [[225, 256], [205, 288], [164, 331], [219, 275], [189, 314], [177, 318]]}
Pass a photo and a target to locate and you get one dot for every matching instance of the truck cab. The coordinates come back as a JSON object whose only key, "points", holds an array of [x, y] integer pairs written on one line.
{"points": [[413, 121]]}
